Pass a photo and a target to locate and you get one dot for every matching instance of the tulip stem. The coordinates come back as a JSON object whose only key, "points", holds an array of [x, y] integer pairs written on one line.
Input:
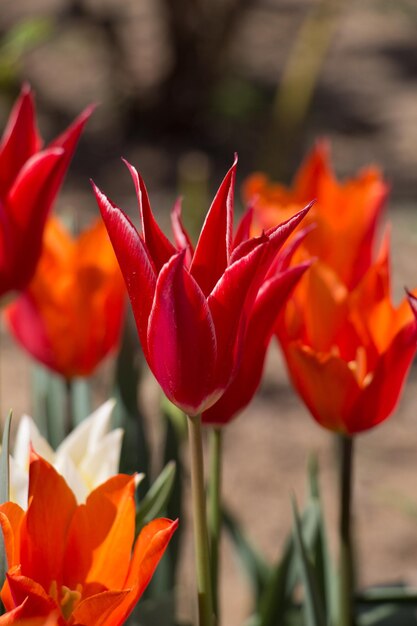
{"points": [[205, 601], [69, 413], [345, 529], [214, 518]]}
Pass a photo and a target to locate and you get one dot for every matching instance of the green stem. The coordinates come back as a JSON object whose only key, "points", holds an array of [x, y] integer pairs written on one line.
{"points": [[69, 409], [345, 529], [205, 602], [214, 517]]}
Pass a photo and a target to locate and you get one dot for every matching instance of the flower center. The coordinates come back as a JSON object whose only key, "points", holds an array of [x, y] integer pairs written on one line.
{"points": [[67, 598]]}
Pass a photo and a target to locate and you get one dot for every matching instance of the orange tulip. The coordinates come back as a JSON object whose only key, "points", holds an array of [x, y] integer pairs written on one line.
{"points": [[77, 560], [348, 351], [70, 316], [345, 214]]}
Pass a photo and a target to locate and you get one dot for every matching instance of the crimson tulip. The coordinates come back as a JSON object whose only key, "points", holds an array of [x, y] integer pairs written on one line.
{"points": [[30, 178], [192, 306], [74, 564]]}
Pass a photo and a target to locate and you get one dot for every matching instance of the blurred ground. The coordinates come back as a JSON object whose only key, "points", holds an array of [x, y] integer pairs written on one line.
{"points": [[366, 103]]}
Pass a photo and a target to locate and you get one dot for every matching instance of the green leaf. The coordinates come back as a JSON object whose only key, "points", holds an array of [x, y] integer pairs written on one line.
{"points": [[157, 497], [277, 595], [314, 612], [254, 564], [49, 401], [377, 615], [326, 576], [80, 399], [378, 595], [4, 493]]}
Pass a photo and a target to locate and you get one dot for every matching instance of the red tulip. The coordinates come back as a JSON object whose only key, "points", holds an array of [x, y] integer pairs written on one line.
{"points": [[192, 306], [29, 182], [77, 564]]}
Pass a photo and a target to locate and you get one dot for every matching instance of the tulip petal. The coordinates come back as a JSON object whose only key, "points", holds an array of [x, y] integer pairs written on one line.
{"points": [[101, 535], [20, 140], [43, 543], [229, 304], [181, 236], [380, 397], [102, 609], [243, 228], [181, 338], [159, 247], [263, 317], [149, 549], [29, 595], [214, 245], [11, 516], [134, 260]]}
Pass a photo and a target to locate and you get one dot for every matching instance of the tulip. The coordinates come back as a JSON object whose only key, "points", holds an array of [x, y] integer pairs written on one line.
{"points": [[30, 178], [77, 560], [70, 316], [86, 458], [348, 351], [192, 305], [345, 214]]}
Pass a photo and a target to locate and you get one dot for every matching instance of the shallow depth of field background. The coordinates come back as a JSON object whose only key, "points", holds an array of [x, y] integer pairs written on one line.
{"points": [[178, 113]]}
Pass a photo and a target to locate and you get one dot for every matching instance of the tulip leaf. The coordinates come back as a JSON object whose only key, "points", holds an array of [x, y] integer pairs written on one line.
{"points": [[4, 493], [255, 567], [313, 609], [80, 399], [157, 497], [276, 600], [377, 615], [378, 595], [326, 577]]}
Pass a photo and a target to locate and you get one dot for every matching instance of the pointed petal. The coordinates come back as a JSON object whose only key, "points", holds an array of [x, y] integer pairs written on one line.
{"points": [[134, 260], [381, 396], [101, 535], [214, 245], [182, 239], [43, 543], [29, 595], [229, 303], [20, 140], [181, 338], [244, 227], [102, 609], [149, 549], [159, 247], [261, 324], [27, 206], [11, 517]]}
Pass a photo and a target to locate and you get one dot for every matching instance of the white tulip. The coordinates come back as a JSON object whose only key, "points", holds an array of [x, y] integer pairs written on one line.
{"points": [[86, 458]]}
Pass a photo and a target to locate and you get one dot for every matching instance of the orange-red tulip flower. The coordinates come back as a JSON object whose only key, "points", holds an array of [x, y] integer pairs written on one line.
{"points": [[345, 214], [30, 178], [348, 351], [77, 560], [69, 318]]}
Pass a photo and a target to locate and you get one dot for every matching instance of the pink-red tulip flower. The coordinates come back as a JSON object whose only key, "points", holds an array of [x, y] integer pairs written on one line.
{"points": [[30, 178], [78, 562], [192, 305]]}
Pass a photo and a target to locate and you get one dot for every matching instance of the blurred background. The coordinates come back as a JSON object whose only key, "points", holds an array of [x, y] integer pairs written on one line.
{"points": [[183, 85]]}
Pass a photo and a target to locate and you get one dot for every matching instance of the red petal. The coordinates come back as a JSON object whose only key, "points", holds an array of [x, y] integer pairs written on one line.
{"points": [[134, 261], [181, 236], [29, 595], [102, 609], [243, 228], [214, 245], [181, 338], [229, 303], [260, 328], [20, 140], [159, 247]]}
